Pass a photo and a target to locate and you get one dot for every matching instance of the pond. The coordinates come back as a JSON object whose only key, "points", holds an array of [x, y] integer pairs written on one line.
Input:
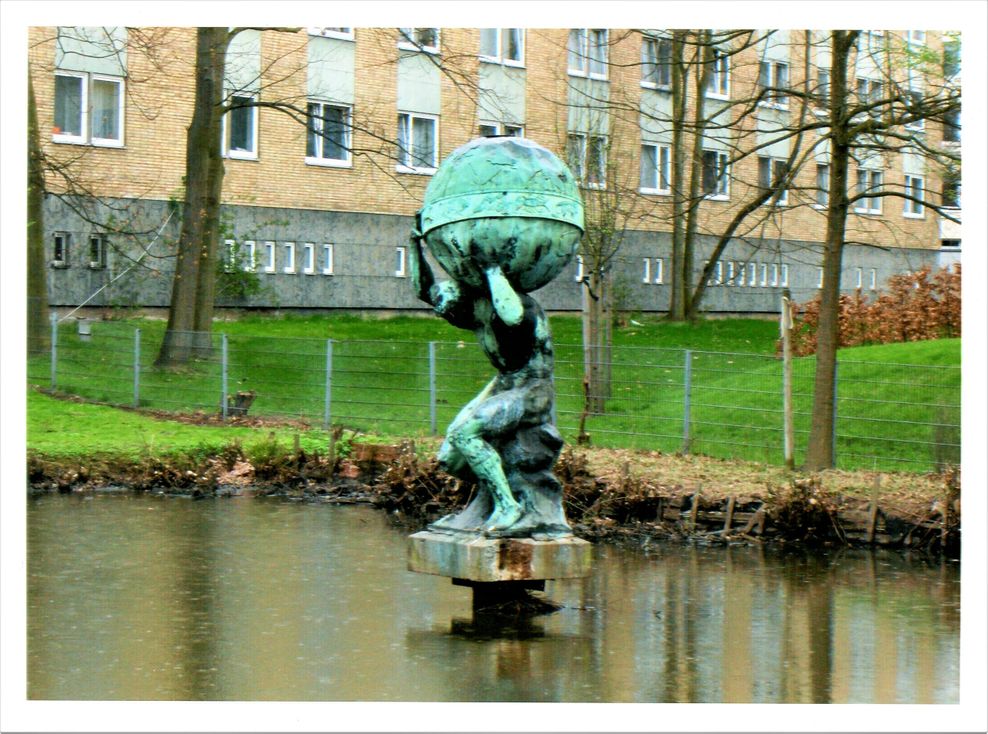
{"points": [[138, 597]]}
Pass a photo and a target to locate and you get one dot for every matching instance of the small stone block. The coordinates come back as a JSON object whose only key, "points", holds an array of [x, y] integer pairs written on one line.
{"points": [[483, 559]]}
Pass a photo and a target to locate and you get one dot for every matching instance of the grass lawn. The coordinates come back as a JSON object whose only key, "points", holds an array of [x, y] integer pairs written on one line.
{"points": [[890, 415]]}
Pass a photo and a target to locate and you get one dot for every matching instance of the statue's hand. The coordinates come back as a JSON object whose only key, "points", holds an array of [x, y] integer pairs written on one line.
{"points": [[506, 302]]}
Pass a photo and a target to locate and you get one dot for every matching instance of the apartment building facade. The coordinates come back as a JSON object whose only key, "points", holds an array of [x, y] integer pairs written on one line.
{"points": [[341, 129]]}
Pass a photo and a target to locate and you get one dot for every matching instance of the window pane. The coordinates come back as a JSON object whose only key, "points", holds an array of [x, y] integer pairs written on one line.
{"points": [[649, 172], [764, 172], [68, 105], [596, 160], [487, 130], [665, 61], [512, 44], [664, 169], [709, 172], [574, 155], [334, 133], [513, 131], [312, 134], [404, 151], [423, 143], [598, 51], [425, 37], [822, 184], [575, 49], [488, 42], [106, 109], [242, 126], [650, 61]]}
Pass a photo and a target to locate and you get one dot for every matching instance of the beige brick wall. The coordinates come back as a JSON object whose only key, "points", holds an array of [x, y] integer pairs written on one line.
{"points": [[159, 103]]}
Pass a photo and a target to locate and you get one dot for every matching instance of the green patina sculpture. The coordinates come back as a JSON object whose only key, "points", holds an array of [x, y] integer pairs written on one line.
{"points": [[503, 217]]}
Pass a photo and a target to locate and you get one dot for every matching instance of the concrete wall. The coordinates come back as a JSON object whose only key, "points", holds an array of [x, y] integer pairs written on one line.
{"points": [[365, 261]]}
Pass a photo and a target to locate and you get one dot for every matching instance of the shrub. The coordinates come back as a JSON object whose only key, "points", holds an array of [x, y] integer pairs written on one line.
{"points": [[915, 307]]}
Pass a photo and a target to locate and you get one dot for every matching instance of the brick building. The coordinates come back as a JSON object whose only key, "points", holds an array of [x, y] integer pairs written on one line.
{"points": [[321, 212]]}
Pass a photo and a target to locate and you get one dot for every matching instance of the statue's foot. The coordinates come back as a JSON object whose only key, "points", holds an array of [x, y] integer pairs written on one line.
{"points": [[504, 517]]}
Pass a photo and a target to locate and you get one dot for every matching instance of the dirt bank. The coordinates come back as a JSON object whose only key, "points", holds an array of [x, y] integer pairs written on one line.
{"points": [[612, 495]]}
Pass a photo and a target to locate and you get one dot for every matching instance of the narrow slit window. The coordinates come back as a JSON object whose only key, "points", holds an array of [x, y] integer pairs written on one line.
{"points": [[289, 248], [400, 262], [327, 259], [308, 258], [270, 257]]}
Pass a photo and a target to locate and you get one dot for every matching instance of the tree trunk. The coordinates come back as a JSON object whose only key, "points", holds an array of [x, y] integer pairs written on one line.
{"points": [[820, 449], [678, 173], [595, 344], [191, 309], [38, 328]]}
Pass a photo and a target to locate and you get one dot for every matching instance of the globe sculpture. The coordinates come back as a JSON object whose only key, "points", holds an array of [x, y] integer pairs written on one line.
{"points": [[502, 216]]}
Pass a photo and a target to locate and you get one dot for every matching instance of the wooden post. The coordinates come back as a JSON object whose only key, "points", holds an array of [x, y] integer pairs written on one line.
{"points": [[785, 326], [729, 515]]}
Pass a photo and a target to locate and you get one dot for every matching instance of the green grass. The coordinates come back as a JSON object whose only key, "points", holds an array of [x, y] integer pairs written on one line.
{"points": [[889, 416], [57, 428]]}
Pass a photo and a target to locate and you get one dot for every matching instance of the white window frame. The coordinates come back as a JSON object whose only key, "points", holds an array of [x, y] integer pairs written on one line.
{"points": [[914, 186], [822, 193], [822, 93], [719, 84], [659, 271], [343, 34], [775, 275], [582, 155], [242, 155], [723, 188], [869, 92], [270, 256], [327, 255], [230, 261], [819, 277], [406, 156], [63, 260], [99, 239], [752, 274], [501, 128], [653, 63], [868, 204], [320, 160], [499, 57], [290, 249], [646, 270], [406, 41], [662, 170], [718, 277], [775, 100], [730, 273], [582, 53], [858, 278], [401, 261], [309, 258], [741, 270], [580, 272], [773, 165], [250, 256], [86, 136], [785, 276], [874, 279], [916, 38]]}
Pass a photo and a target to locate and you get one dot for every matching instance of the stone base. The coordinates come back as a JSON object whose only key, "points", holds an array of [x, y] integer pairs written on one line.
{"points": [[483, 559]]}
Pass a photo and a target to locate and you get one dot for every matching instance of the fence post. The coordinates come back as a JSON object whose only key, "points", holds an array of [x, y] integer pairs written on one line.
{"points": [[433, 428], [788, 433], [687, 383], [327, 408], [137, 367], [54, 348], [833, 436], [223, 372]]}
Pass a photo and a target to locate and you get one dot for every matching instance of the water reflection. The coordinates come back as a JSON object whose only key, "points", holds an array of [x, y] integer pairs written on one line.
{"points": [[147, 598]]}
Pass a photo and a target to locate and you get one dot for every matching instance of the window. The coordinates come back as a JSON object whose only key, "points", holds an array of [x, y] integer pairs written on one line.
{"points": [[775, 275], [717, 278], [822, 93], [655, 169], [950, 243], [952, 126], [822, 184], [60, 249], [270, 255], [289, 257], [740, 271], [771, 174], [580, 274], [328, 138], [951, 192], [874, 279], [417, 148], [646, 270], [327, 259], [249, 256], [308, 258], [656, 62], [915, 106], [858, 278], [764, 280], [916, 37], [587, 52], [344, 33], [490, 129], [587, 156], [869, 93], [730, 272], [773, 75], [715, 180], [240, 128], [97, 251], [88, 109], [659, 270], [913, 207], [868, 181], [653, 270], [400, 262], [230, 261], [752, 274], [951, 57], [719, 80], [503, 45], [819, 277], [419, 39], [785, 276]]}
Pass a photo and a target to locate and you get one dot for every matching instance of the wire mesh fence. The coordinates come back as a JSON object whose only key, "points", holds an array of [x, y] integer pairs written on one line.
{"points": [[726, 405]]}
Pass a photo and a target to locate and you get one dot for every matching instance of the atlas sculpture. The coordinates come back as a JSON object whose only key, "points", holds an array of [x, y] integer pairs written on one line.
{"points": [[502, 217]]}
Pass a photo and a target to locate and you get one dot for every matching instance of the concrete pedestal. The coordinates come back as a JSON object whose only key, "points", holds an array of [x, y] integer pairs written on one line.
{"points": [[479, 559]]}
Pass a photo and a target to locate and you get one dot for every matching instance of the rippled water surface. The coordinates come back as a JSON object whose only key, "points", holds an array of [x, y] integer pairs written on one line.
{"points": [[139, 597]]}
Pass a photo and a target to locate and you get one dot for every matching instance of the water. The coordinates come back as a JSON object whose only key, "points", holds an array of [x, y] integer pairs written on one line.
{"points": [[139, 597]]}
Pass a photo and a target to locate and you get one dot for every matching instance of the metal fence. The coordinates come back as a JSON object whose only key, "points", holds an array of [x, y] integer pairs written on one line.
{"points": [[889, 416]]}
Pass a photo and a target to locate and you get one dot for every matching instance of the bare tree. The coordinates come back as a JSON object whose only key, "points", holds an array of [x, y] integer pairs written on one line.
{"points": [[38, 337]]}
